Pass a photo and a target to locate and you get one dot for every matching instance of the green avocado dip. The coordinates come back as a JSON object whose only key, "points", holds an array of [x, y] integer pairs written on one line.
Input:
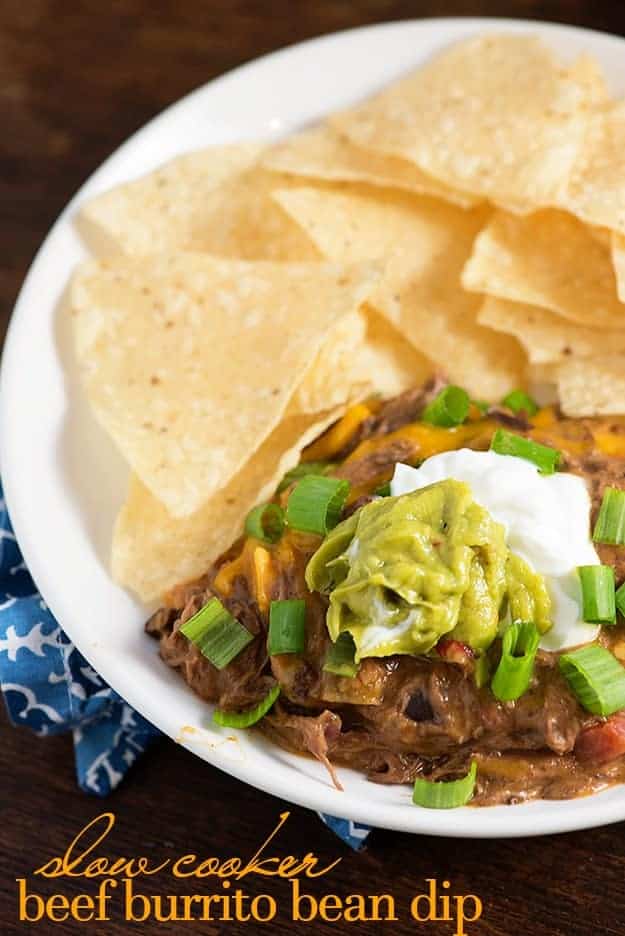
{"points": [[402, 572]]}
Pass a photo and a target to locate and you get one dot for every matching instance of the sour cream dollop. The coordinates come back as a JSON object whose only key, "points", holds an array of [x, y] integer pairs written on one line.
{"points": [[546, 519]]}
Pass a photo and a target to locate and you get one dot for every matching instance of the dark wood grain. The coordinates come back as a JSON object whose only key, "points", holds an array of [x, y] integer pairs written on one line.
{"points": [[76, 78]]}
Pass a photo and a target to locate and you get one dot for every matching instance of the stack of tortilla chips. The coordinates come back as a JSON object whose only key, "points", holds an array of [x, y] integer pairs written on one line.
{"points": [[469, 218]]}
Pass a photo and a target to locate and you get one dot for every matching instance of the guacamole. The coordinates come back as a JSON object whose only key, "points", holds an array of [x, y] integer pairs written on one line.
{"points": [[402, 572]]}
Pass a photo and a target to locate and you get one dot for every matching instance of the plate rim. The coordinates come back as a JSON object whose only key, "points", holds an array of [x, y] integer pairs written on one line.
{"points": [[571, 814]]}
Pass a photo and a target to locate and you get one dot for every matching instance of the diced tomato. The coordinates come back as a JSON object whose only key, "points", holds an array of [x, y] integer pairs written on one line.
{"points": [[602, 743], [454, 651]]}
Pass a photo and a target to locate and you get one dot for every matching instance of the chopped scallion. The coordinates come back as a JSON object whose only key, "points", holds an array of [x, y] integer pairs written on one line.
{"points": [[384, 490], [248, 718], [596, 678], [620, 599], [301, 470], [216, 633], [287, 626], [507, 443], [610, 525], [516, 667], [265, 522], [315, 504], [449, 408], [445, 794], [519, 402], [598, 598], [340, 656]]}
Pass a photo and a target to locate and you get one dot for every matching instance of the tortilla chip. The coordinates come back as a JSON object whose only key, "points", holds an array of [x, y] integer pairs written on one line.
{"points": [[546, 372], [548, 259], [617, 250], [387, 360], [190, 361], [595, 190], [588, 73], [215, 201], [376, 359], [424, 244], [153, 551], [497, 116], [322, 153], [594, 386], [541, 382], [336, 375], [602, 235], [545, 336], [246, 223], [166, 208]]}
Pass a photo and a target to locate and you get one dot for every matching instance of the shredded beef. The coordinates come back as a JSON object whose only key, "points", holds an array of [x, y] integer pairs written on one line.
{"points": [[371, 466], [507, 418], [599, 472], [315, 734], [242, 683], [395, 413], [418, 708], [161, 623], [407, 407]]}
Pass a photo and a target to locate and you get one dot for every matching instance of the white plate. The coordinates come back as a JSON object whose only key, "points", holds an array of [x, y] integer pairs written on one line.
{"points": [[64, 483]]}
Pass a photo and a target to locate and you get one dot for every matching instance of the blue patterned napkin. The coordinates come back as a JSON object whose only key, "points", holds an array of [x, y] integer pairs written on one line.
{"points": [[49, 687]]}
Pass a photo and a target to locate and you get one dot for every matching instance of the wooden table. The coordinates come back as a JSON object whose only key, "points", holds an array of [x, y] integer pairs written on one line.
{"points": [[76, 78]]}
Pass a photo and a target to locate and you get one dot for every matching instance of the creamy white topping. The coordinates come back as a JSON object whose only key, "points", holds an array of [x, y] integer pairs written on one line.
{"points": [[546, 519]]}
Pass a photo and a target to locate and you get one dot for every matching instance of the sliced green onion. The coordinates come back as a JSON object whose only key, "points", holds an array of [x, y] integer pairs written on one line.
{"points": [[596, 678], [610, 525], [620, 599], [449, 408], [287, 626], [265, 522], [445, 794], [216, 633], [340, 656], [315, 504], [507, 443], [481, 673], [384, 490], [251, 716], [598, 598], [519, 402], [516, 667], [301, 470]]}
